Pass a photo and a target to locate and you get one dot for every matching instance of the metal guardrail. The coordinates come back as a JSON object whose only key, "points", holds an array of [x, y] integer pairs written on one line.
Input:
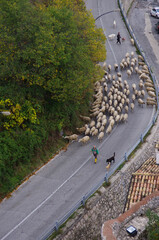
{"points": [[82, 201]]}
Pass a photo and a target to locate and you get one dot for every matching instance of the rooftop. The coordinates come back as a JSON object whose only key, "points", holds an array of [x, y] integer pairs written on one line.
{"points": [[143, 182]]}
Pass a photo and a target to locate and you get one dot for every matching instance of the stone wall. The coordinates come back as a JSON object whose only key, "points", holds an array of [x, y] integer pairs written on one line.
{"points": [[108, 203]]}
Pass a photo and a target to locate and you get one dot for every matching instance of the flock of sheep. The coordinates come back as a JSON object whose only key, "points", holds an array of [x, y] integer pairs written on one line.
{"points": [[115, 98]]}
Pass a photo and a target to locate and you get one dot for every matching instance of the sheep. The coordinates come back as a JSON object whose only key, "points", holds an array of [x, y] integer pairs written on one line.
{"points": [[121, 117], [132, 41], [115, 66], [121, 66], [149, 80], [143, 93], [132, 64], [150, 89], [109, 129], [72, 137], [118, 109], [109, 77], [111, 36], [92, 124], [131, 69], [127, 55], [139, 93], [81, 130], [140, 57], [132, 54], [87, 131], [112, 122], [109, 67], [101, 129], [113, 77], [151, 103], [141, 63], [104, 65], [115, 103], [143, 76], [104, 122], [136, 69], [95, 132], [125, 117], [151, 94], [84, 118], [126, 108], [92, 129], [125, 64], [132, 106], [133, 97], [128, 92], [140, 101], [148, 84], [114, 24], [119, 74], [101, 135], [134, 86], [127, 101], [98, 124], [141, 85], [128, 73], [84, 139], [115, 114], [117, 118]]}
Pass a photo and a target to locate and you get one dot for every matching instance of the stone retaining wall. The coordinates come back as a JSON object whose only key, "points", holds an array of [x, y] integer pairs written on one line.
{"points": [[108, 203]]}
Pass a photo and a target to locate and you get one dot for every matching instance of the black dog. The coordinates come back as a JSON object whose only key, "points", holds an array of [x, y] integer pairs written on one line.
{"points": [[111, 159]]}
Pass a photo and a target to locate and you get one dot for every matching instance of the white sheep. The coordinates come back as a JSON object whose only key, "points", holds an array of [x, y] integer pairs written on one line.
{"points": [[81, 130], [109, 129], [104, 122], [140, 101], [115, 66], [109, 67], [126, 108], [84, 118], [134, 86], [128, 72], [151, 94], [125, 117], [109, 77], [132, 54], [127, 55], [132, 106], [133, 97], [121, 66], [148, 84], [119, 74], [72, 137], [98, 124], [101, 135], [84, 139], [132, 41], [111, 36], [117, 119], [101, 129], [114, 24], [143, 93], [140, 57], [87, 131], [104, 65], [92, 124], [95, 132]]}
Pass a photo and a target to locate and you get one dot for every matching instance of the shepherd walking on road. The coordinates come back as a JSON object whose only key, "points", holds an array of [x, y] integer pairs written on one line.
{"points": [[95, 153], [118, 38]]}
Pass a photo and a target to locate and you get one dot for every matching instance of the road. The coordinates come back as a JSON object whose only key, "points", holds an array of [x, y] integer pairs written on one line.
{"points": [[49, 194]]}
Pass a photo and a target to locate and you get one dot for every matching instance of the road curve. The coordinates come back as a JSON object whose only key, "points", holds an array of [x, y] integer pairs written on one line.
{"points": [[48, 195]]}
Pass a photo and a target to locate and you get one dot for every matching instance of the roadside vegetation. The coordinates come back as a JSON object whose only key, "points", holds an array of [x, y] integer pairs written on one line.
{"points": [[49, 52]]}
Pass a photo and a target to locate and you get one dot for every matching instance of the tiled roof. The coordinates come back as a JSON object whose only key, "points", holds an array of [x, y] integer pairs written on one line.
{"points": [[144, 181]]}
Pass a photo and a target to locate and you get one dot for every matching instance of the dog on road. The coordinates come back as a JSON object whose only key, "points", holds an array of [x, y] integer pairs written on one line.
{"points": [[111, 159]]}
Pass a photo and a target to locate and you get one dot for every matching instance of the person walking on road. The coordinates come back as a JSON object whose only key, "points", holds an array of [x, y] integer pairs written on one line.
{"points": [[95, 153], [118, 38]]}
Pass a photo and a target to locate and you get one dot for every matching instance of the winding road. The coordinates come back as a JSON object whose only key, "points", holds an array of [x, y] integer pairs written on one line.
{"points": [[49, 194]]}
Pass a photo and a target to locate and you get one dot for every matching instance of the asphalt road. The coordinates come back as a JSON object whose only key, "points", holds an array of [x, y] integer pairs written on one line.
{"points": [[48, 195]]}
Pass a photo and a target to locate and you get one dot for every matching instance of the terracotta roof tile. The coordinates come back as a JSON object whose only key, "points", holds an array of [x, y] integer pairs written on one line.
{"points": [[144, 181]]}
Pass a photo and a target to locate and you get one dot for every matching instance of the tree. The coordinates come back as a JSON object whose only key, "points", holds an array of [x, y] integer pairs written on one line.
{"points": [[54, 46]]}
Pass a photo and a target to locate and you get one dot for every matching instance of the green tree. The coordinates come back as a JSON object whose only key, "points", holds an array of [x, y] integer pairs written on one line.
{"points": [[55, 47]]}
